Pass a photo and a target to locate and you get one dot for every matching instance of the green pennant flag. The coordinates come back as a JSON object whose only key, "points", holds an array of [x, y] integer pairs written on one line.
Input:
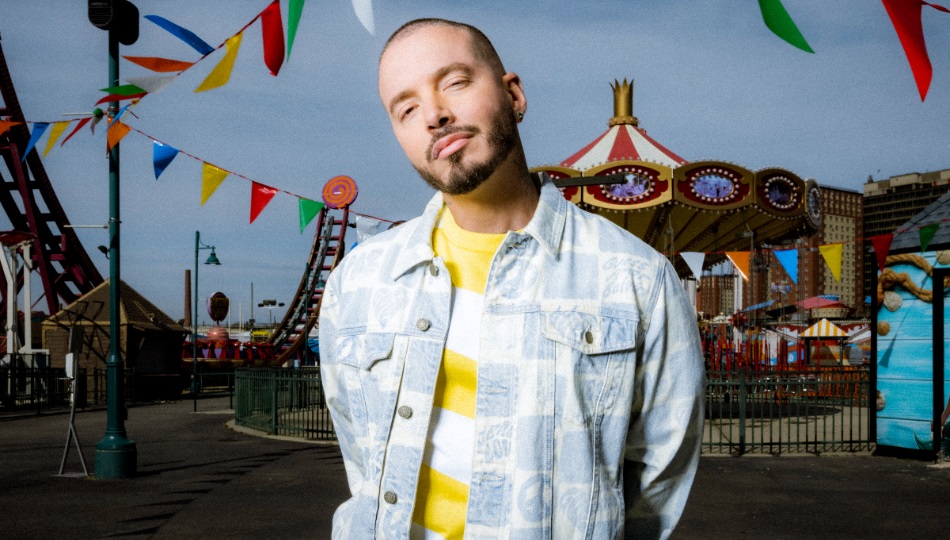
{"points": [[124, 90], [780, 22], [308, 210], [927, 233], [294, 9]]}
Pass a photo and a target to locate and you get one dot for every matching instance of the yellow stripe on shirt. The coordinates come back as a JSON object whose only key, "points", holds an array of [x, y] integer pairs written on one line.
{"points": [[444, 509]]}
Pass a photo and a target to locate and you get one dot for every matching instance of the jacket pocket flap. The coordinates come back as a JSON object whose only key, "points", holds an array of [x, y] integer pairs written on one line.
{"points": [[364, 350], [592, 333]]}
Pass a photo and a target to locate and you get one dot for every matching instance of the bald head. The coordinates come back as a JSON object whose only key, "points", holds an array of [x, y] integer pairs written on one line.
{"points": [[481, 45]]}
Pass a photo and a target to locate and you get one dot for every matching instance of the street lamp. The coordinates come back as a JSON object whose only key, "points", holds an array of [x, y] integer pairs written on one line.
{"points": [[212, 259], [270, 305]]}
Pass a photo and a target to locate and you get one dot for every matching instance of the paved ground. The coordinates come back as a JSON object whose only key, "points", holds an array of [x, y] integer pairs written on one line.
{"points": [[199, 479]]}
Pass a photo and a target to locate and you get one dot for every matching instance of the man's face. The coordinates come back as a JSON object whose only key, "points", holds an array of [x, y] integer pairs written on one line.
{"points": [[450, 111]]}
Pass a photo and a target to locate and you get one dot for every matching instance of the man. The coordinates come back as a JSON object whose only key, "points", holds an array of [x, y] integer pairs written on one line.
{"points": [[505, 365]]}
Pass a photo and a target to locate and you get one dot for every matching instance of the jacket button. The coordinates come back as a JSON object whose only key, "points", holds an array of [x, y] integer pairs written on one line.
{"points": [[423, 324], [405, 411], [389, 497], [588, 337], [434, 270]]}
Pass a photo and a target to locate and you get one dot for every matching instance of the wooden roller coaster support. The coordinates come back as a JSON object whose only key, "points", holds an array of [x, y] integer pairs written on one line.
{"points": [[328, 246], [31, 205]]}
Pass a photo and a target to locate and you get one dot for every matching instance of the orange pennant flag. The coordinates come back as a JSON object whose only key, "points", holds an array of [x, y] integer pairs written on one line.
{"points": [[222, 72], [55, 133], [741, 261], [7, 124], [116, 132], [211, 178], [832, 254], [161, 65]]}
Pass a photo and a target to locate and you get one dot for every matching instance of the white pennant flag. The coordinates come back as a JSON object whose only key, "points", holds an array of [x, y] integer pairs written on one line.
{"points": [[151, 84], [366, 228], [364, 12], [694, 260]]}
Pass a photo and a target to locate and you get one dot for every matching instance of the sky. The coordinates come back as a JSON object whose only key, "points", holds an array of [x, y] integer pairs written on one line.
{"points": [[711, 82]]}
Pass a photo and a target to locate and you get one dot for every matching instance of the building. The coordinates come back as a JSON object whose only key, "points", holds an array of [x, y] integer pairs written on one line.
{"points": [[716, 295], [890, 203]]}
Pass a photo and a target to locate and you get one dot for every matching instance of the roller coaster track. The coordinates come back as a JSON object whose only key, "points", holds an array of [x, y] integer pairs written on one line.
{"points": [[290, 337], [31, 205]]}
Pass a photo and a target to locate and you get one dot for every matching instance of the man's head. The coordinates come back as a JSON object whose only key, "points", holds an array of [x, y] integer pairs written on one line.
{"points": [[453, 108]]}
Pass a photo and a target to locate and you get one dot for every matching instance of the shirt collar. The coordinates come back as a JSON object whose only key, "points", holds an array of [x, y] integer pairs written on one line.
{"points": [[546, 226]]}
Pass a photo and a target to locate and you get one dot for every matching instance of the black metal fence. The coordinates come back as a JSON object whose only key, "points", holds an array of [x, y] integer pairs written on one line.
{"points": [[282, 401], [819, 410]]}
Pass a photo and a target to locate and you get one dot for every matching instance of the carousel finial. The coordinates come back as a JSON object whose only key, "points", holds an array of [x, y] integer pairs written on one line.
{"points": [[623, 104]]}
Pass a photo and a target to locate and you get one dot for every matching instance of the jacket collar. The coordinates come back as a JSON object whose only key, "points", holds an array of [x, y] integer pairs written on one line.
{"points": [[546, 226]]}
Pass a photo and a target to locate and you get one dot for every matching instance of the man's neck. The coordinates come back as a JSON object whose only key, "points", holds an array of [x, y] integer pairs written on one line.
{"points": [[505, 202]]}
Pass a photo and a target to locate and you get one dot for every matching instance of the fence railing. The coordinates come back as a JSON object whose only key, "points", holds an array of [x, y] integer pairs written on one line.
{"points": [[282, 401], [818, 410]]}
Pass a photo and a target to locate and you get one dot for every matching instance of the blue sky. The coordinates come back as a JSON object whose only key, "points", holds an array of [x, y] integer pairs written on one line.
{"points": [[711, 82]]}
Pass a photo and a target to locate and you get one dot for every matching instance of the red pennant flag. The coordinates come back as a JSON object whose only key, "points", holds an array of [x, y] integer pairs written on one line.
{"points": [[906, 17], [260, 196], [882, 244], [273, 29], [119, 97], [79, 126]]}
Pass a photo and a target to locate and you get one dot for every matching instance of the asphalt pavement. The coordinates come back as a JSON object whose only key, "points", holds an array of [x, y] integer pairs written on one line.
{"points": [[198, 478]]}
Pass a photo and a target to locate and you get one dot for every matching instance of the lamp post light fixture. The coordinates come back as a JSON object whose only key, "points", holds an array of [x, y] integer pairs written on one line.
{"points": [[212, 259], [271, 305]]}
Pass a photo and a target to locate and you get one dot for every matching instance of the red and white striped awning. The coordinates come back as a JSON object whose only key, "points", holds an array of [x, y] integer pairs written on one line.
{"points": [[622, 142]]}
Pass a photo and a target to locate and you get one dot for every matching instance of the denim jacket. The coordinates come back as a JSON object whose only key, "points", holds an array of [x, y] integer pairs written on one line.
{"points": [[588, 406]]}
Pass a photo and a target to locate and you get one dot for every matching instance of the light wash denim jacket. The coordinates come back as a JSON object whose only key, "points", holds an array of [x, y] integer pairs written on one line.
{"points": [[588, 408]]}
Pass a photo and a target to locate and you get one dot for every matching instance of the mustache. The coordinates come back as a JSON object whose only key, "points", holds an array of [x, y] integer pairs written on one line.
{"points": [[448, 130]]}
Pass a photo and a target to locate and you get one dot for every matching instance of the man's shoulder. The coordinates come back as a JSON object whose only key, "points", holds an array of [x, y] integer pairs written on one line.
{"points": [[610, 238]]}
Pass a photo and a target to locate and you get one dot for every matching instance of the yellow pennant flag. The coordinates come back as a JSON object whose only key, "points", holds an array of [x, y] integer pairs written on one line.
{"points": [[222, 72], [211, 178], [54, 134], [832, 255], [115, 133], [741, 260]]}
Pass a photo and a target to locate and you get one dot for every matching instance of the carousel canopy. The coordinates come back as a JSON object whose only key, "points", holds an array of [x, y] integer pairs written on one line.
{"points": [[680, 206], [824, 329]]}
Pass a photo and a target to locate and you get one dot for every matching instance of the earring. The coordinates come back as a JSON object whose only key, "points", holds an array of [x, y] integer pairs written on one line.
{"points": [[519, 114]]}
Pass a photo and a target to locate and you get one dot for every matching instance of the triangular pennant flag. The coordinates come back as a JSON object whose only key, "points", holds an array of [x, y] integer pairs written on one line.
{"points": [[308, 210], [38, 129], [222, 72], [366, 228], [294, 10], [183, 34], [906, 17], [79, 126], [118, 97], [118, 115], [832, 254], [882, 245], [272, 28], [161, 65], [124, 90], [211, 178], [789, 260], [115, 133], [7, 124], [740, 259], [364, 12], [927, 233], [260, 196], [162, 155], [54, 135], [152, 83], [694, 260], [780, 22]]}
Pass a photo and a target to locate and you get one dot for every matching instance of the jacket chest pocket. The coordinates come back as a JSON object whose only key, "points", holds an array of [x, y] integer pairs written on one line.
{"points": [[374, 364], [594, 360]]}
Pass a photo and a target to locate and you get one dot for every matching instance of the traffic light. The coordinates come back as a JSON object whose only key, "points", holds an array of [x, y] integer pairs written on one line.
{"points": [[119, 15]]}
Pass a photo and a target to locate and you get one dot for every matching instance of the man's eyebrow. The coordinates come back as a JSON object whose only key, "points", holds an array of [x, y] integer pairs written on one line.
{"points": [[439, 75]]}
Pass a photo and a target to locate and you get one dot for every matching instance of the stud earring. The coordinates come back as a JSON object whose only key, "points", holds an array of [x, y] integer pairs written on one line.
{"points": [[519, 114]]}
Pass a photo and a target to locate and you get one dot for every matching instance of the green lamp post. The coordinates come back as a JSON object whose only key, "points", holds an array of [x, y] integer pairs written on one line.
{"points": [[212, 259]]}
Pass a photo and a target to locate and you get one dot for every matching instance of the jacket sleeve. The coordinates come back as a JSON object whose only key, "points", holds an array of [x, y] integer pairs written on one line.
{"points": [[341, 399], [663, 439]]}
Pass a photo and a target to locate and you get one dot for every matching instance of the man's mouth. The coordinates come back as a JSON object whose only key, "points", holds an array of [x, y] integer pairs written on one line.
{"points": [[449, 144]]}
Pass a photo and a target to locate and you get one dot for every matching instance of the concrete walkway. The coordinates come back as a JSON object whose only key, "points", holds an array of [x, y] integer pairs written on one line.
{"points": [[199, 479]]}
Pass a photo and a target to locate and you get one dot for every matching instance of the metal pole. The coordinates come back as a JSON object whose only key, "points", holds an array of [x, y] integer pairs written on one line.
{"points": [[194, 329], [115, 453]]}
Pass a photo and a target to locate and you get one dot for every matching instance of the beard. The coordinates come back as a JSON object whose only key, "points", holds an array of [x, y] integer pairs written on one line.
{"points": [[464, 178]]}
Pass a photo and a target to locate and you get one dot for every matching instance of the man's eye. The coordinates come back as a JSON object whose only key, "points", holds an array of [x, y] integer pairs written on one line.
{"points": [[406, 112], [457, 83]]}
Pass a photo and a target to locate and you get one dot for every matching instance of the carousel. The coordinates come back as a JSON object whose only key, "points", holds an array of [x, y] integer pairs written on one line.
{"points": [[680, 206]]}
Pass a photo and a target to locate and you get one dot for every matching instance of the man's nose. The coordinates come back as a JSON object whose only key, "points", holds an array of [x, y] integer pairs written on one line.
{"points": [[439, 115]]}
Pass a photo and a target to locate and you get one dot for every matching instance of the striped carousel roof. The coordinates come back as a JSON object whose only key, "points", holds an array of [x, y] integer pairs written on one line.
{"points": [[620, 142], [824, 328]]}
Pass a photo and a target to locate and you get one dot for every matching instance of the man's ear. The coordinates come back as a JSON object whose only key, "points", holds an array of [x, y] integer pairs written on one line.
{"points": [[512, 83]]}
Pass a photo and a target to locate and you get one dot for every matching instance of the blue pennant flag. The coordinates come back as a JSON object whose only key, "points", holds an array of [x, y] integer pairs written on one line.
{"points": [[162, 155], [38, 129], [183, 34], [789, 260]]}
